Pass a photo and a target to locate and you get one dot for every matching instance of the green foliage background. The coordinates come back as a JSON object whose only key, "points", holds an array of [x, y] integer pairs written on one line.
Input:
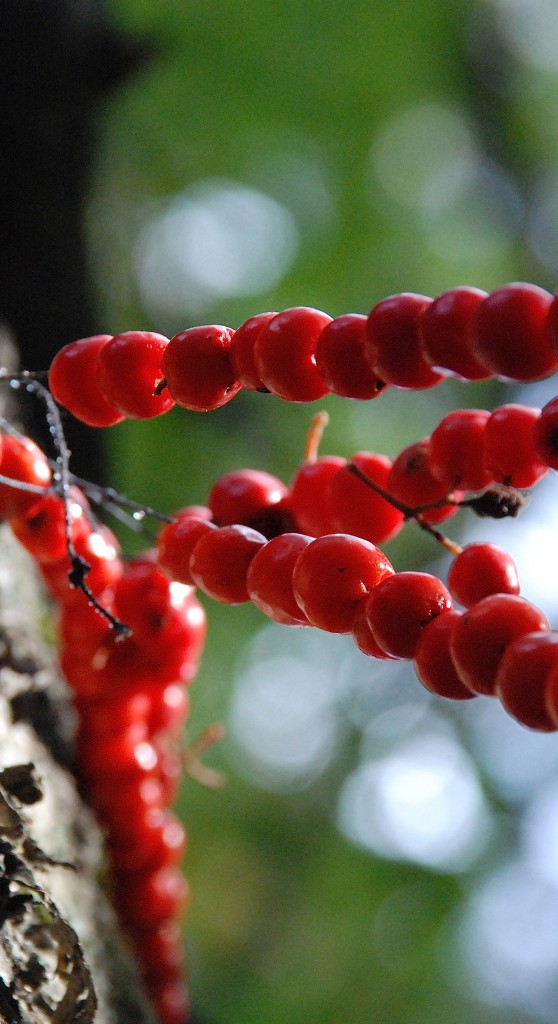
{"points": [[288, 921]]}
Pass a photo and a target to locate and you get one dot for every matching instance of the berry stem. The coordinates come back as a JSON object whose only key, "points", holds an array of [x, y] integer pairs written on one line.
{"points": [[407, 510], [191, 757], [107, 497], [317, 426]]}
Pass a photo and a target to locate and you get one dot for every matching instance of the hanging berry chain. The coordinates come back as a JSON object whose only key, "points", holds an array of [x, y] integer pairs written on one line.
{"points": [[305, 554]]}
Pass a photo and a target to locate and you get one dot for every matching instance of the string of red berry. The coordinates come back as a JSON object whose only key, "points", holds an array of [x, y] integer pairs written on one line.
{"points": [[130, 693], [344, 583], [131, 633], [300, 354], [246, 545]]}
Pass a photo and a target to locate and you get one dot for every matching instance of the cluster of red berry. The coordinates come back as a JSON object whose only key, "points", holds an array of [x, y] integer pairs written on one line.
{"points": [[131, 698], [301, 354], [305, 554], [342, 582]]}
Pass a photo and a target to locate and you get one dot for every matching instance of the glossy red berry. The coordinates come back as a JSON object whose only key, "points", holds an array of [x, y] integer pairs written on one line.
{"points": [[521, 680], [510, 456], [342, 361], [400, 608], [176, 542], [332, 577], [357, 508], [152, 896], [242, 352], [245, 496], [72, 379], [198, 369], [132, 801], [552, 324], [551, 694], [480, 570], [508, 333], [443, 333], [128, 372], [365, 639], [456, 449], [128, 755], [433, 662], [270, 579], [22, 461], [482, 634], [169, 709], [393, 342], [98, 717], [145, 599], [154, 839], [545, 434], [285, 354], [411, 481], [311, 502], [42, 530], [220, 560], [100, 550]]}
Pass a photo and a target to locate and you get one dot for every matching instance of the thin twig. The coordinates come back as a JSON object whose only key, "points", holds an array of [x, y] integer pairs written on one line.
{"points": [[406, 510]]}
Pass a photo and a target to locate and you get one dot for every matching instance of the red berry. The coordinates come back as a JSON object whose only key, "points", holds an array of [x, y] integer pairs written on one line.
{"points": [[242, 352], [510, 456], [433, 662], [480, 570], [455, 453], [285, 354], [311, 502], [22, 461], [545, 434], [135, 797], [42, 530], [154, 839], [128, 370], [197, 367], [220, 561], [167, 655], [101, 550], [98, 717], [128, 755], [357, 508], [145, 598], [172, 1004], [333, 575], [169, 710], [393, 343], [245, 496], [521, 680], [443, 332], [552, 324], [270, 579], [508, 333], [342, 361], [72, 379], [159, 945], [152, 896], [411, 481], [364, 638], [176, 542], [400, 608], [551, 693], [483, 633]]}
